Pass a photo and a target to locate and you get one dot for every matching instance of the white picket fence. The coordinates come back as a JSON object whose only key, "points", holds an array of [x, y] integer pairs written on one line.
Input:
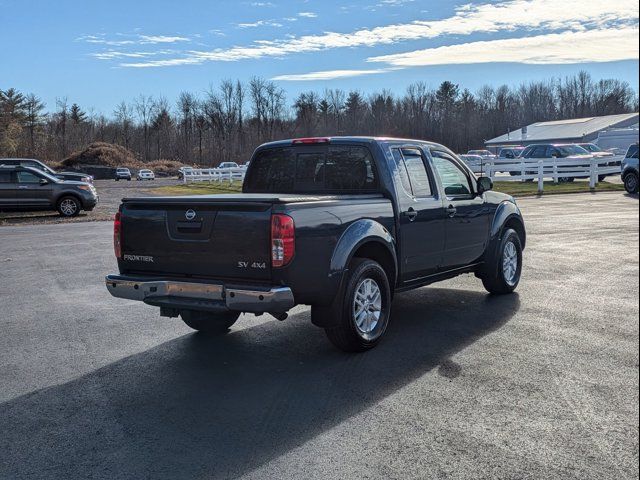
{"points": [[554, 169], [214, 174]]}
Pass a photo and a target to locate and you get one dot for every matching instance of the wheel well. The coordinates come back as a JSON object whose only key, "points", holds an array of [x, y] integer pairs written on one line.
{"points": [[519, 228], [379, 253]]}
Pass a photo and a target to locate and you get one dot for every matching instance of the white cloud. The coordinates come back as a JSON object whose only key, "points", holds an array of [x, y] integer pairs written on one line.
{"points": [[394, 3], [326, 75], [558, 48], [161, 39], [307, 15], [259, 23], [132, 39], [505, 16]]}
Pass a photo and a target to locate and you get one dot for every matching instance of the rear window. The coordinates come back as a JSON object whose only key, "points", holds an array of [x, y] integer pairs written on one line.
{"points": [[333, 169]]}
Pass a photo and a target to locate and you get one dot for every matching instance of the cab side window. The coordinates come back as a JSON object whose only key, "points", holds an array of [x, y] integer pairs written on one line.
{"points": [[28, 177], [5, 177], [454, 179]]}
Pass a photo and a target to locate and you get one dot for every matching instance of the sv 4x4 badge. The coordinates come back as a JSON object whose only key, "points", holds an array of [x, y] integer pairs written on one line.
{"points": [[258, 265]]}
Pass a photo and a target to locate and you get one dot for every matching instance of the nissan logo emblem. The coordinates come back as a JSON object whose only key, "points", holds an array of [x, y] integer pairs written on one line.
{"points": [[190, 214]]}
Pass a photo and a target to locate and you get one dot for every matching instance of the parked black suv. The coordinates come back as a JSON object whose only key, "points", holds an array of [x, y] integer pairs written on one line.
{"points": [[30, 162], [26, 188], [340, 224]]}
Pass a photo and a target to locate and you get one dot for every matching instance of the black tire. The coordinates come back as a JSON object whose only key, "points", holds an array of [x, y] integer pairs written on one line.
{"points": [[631, 183], [117, 179], [209, 323], [494, 278], [68, 206], [347, 335]]}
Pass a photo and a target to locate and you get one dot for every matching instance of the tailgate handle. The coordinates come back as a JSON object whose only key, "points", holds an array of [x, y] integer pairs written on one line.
{"points": [[189, 227]]}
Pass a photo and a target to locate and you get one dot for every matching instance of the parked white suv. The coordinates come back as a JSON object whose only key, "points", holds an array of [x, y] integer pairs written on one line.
{"points": [[145, 174]]}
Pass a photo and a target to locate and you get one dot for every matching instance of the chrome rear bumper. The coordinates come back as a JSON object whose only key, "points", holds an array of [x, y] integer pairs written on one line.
{"points": [[170, 293]]}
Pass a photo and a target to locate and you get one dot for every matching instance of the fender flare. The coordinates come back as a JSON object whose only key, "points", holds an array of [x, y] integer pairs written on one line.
{"points": [[356, 235], [506, 212]]}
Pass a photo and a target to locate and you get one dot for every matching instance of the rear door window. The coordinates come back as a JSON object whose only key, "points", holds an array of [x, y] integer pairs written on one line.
{"points": [[5, 177], [418, 175]]}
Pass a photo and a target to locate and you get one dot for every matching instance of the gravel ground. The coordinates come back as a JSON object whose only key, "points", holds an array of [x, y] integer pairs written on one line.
{"points": [[542, 384], [110, 192]]}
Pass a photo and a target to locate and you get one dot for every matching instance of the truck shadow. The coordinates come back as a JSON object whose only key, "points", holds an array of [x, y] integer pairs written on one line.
{"points": [[196, 407]]}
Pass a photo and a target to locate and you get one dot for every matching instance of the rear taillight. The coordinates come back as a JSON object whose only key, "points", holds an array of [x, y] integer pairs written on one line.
{"points": [[283, 240], [117, 235]]}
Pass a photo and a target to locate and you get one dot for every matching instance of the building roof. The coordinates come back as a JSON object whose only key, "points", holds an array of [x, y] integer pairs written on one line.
{"points": [[571, 129]]}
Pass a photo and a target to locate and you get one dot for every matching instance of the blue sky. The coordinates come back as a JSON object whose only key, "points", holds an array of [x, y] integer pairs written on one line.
{"points": [[98, 53]]}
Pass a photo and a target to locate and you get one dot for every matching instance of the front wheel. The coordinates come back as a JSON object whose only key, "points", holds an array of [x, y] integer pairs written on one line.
{"points": [[68, 206], [631, 183], [209, 323], [504, 275], [366, 308]]}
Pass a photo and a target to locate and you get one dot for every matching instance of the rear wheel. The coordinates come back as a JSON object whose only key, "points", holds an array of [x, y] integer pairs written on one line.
{"points": [[366, 308], [631, 183], [209, 323], [68, 206], [504, 275]]}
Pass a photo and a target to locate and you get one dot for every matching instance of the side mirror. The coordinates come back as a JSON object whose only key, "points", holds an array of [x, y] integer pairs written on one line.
{"points": [[44, 181], [484, 185]]}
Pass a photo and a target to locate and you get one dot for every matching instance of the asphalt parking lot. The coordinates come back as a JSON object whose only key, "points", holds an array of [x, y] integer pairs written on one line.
{"points": [[542, 384]]}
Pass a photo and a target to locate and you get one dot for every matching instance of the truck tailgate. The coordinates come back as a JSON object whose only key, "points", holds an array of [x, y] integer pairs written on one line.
{"points": [[226, 238]]}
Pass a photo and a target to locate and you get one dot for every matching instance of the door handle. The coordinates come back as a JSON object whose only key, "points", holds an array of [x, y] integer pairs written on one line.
{"points": [[451, 211], [411, 214]]}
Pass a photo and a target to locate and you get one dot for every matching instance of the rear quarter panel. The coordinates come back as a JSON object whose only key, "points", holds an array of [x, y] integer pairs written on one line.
{"points": [[319, 227]]}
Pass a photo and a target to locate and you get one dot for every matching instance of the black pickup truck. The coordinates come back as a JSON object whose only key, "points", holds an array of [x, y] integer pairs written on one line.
{"points": [[339, 224]]}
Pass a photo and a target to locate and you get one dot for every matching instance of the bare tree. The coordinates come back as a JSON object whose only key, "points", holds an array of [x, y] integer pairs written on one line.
{"points": [[124, 118], [144, 108]]}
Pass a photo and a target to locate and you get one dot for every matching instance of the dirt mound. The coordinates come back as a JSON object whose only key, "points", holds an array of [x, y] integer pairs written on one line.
{"points": [[164, 168], [104, 155], [100, 159]]}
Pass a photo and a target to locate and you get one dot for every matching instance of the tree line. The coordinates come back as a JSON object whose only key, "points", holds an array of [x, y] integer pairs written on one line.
{"points": [[226, 122]]}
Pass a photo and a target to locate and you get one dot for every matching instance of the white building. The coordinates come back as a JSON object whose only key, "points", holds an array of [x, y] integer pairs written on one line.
{"points": [[576, 130]]}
